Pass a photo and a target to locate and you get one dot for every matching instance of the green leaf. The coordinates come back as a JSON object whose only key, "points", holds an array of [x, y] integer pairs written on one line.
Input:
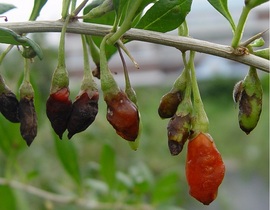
{"points": [[254, 3], [5, 7], [165, 15], [8, 199], [107, 166], [67, 154], [11, 140], [118, 6], [8, 36], [222, 7], [263, 53], [165, 187], [38, 5]]}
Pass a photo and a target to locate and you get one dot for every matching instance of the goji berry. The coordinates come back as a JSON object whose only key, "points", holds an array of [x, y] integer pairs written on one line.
{"points": [[58, 108], [83, 114], [123, 115], [204, 168], [28, 119]]}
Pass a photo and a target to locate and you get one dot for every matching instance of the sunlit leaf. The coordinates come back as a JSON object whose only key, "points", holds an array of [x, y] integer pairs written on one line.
{"points": [[67, 154], [222, 7], [5, 7], [38, 5], [107, 166], [165, 15], [8, 36]]}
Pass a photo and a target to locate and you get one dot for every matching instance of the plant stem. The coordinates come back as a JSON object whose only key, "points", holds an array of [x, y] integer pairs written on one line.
{"points": [[181, 43], [73, 5], [95, 52], [87, 69], [66, 199], [126, 25], [240, 27], [61, 50], [88, 81], [121, 45], [200, 118], [3, 54], [26, 77], [65, 8], [108, 84]]}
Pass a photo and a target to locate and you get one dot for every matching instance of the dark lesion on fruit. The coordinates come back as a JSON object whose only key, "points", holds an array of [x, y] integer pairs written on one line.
{"points": [[9, 106], [28, 118]]}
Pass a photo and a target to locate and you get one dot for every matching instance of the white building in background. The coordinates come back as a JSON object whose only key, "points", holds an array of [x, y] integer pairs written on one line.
{"points": [[161, 63]]}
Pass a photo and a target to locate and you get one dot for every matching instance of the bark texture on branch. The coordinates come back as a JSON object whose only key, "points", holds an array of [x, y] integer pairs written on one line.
{"points": [[182, 43]]}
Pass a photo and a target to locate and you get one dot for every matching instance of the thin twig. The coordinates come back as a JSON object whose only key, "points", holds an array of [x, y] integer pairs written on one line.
{"points": [[65, 199], [182, 43]]}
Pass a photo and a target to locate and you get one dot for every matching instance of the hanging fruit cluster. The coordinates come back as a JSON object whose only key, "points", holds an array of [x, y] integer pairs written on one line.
{"points": [[205, 168], [182, 105]]}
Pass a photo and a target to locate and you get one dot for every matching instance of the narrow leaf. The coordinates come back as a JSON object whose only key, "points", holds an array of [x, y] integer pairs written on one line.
{"points": [[5, 7], [38, 5], [107, 19], [165, 15], [8, 36], [222, 7], [67, 154], [254, 3], [108, 168]]}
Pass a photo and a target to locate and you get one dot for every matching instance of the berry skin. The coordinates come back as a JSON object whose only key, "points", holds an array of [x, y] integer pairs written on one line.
{"points": [[28, 118], [58, 108], [204, 168], [123, 115], [83, 114]]}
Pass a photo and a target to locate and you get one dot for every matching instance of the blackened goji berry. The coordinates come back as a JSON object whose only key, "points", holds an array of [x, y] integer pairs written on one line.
{"points": [[28, 119], [9, 104], [58, 108], [83, 114]]}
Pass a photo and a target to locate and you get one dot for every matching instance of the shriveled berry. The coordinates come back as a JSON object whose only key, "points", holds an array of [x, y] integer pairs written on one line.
{"points": [[28, 119], [123, 115], [169, 103], [83, 114], [9, 106], [237, 90], [250, 101], [178, 131], [204, 168], [58, 108]]}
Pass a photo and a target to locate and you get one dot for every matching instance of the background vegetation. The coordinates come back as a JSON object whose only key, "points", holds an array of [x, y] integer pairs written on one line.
{"points": [[98, 166], [97, 169]]}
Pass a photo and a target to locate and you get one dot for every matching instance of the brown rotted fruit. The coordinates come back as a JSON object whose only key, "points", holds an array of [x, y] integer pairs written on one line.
{"points": [[58, 109], [84, 111], [28, 119]]}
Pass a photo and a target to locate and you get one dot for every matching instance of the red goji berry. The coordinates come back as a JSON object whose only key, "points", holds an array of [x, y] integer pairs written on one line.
{"points": [[204, 168]]}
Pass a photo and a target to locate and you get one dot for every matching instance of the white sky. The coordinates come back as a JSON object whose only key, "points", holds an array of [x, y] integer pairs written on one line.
{"points": [[51, 11]]}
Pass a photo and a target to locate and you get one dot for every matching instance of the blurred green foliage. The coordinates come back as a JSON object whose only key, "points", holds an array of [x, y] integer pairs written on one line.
{"points": [[99, 166]]}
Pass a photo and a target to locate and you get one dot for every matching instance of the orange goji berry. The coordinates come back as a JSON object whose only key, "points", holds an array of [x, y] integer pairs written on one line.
{"points": [[204, 168]]}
